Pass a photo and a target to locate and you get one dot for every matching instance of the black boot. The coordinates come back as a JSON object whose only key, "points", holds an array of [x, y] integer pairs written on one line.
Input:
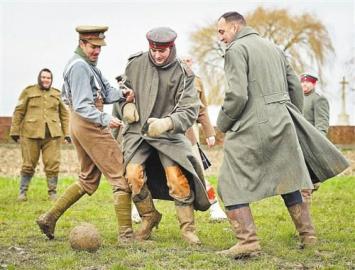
{"points": [[52, 187], [25, 182]]}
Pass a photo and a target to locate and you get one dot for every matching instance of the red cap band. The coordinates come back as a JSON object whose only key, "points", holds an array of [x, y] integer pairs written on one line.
{"points": [[308, 79], [155, 45]]}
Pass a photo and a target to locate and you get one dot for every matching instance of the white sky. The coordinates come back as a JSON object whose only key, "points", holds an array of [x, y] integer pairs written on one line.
{"points": [[37, 34]]}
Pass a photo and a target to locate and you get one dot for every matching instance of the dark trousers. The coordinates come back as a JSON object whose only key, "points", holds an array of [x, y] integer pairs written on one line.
{"points": [[290, 199]]}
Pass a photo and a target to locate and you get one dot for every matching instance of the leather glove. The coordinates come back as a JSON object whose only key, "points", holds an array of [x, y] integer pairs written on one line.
{"points": [[130, 113], [67, 139], [15, 137], [157, 126]]}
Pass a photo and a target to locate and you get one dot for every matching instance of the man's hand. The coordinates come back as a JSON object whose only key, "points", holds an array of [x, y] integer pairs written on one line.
{"points": [[115, 123], [15, 138], [128, 94], [211, 141], [67, 139], [157, 126], [130, 113]]}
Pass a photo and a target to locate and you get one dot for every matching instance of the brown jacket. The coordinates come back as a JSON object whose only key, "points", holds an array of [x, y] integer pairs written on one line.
{"points": [[203, 117], [37, 107]]}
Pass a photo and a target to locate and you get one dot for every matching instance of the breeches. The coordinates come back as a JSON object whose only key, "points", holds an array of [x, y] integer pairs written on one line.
{"points": [[31, 149], [98, 153], [177, 182]]}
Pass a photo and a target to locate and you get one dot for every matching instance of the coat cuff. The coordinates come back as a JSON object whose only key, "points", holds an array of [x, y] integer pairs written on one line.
{"points": [[224, 122]]}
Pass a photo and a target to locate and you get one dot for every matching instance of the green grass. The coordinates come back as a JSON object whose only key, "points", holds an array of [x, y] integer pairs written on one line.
{"points": [[22, 246]]}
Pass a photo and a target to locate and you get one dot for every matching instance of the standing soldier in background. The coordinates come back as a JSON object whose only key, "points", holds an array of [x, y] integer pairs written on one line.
{"points": [[86, 91], [316, 111], [316, 106], [39, 122], [216, 213]]}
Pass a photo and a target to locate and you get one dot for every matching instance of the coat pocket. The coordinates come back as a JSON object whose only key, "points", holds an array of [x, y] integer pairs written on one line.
{"points": [[53, 102], [35, 101]]}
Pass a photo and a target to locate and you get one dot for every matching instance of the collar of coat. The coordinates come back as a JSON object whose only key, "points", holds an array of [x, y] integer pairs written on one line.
{"points": [[246, 31]]}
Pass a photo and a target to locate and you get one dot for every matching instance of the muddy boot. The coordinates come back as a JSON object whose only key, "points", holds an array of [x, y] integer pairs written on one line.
{"points": [[47, 221], [307, 197], [25, 182], [123, 207], [150, 217], [52, 188], [243, 226], [186, 218], [302, 220]]}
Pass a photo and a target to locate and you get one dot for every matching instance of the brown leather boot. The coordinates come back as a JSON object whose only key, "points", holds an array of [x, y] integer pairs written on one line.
{"points": [[123, 207], [150, 217], [185, 215], [47, 221], [302, 220], [243, 226], [307, 196]]}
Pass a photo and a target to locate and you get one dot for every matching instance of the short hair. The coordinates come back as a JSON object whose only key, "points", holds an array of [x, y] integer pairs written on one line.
{"points": [[233, 16]]}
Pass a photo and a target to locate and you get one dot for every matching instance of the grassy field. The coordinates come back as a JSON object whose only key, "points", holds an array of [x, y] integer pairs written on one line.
{"points": [[23, 247]]}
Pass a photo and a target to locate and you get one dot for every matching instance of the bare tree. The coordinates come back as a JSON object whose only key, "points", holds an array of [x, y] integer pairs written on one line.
{"points": [[303, 37]]}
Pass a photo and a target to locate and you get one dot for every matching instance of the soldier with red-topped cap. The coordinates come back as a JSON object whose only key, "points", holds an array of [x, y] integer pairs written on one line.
{"points": [[158, 156], [316, 106], [316, 111]]}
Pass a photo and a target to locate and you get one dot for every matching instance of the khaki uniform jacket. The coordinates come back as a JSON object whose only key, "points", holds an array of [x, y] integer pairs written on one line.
{"points": [[316, 111], [159, 93], [203, 117], [37, 107]]}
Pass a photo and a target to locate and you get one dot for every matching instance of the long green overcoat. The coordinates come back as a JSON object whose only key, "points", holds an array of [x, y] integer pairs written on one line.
{"points": [[262, 121], [161, 92]]}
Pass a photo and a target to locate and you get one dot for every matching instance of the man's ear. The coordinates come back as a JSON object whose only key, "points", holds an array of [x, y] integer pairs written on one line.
{"points": [[236, 27]]}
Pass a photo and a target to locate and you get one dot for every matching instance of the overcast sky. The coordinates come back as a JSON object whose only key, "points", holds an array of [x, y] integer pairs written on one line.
{"points": [[37, 34]]}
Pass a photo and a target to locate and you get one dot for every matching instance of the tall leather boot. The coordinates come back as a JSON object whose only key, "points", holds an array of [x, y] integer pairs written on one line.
{"points": [[52, 187], [47, 221], [25, 182], [307, 196], [123, 207], [150, 217], [243, 226], [186, 218], [302, 220]]}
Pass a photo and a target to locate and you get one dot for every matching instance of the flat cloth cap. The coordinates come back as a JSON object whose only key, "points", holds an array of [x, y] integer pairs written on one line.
{"points": [[93, 34], [161, 37]]}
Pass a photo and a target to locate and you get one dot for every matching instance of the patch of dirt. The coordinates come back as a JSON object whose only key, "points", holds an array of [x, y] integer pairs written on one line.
{"points": [[16, 256], [10, 160]]}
